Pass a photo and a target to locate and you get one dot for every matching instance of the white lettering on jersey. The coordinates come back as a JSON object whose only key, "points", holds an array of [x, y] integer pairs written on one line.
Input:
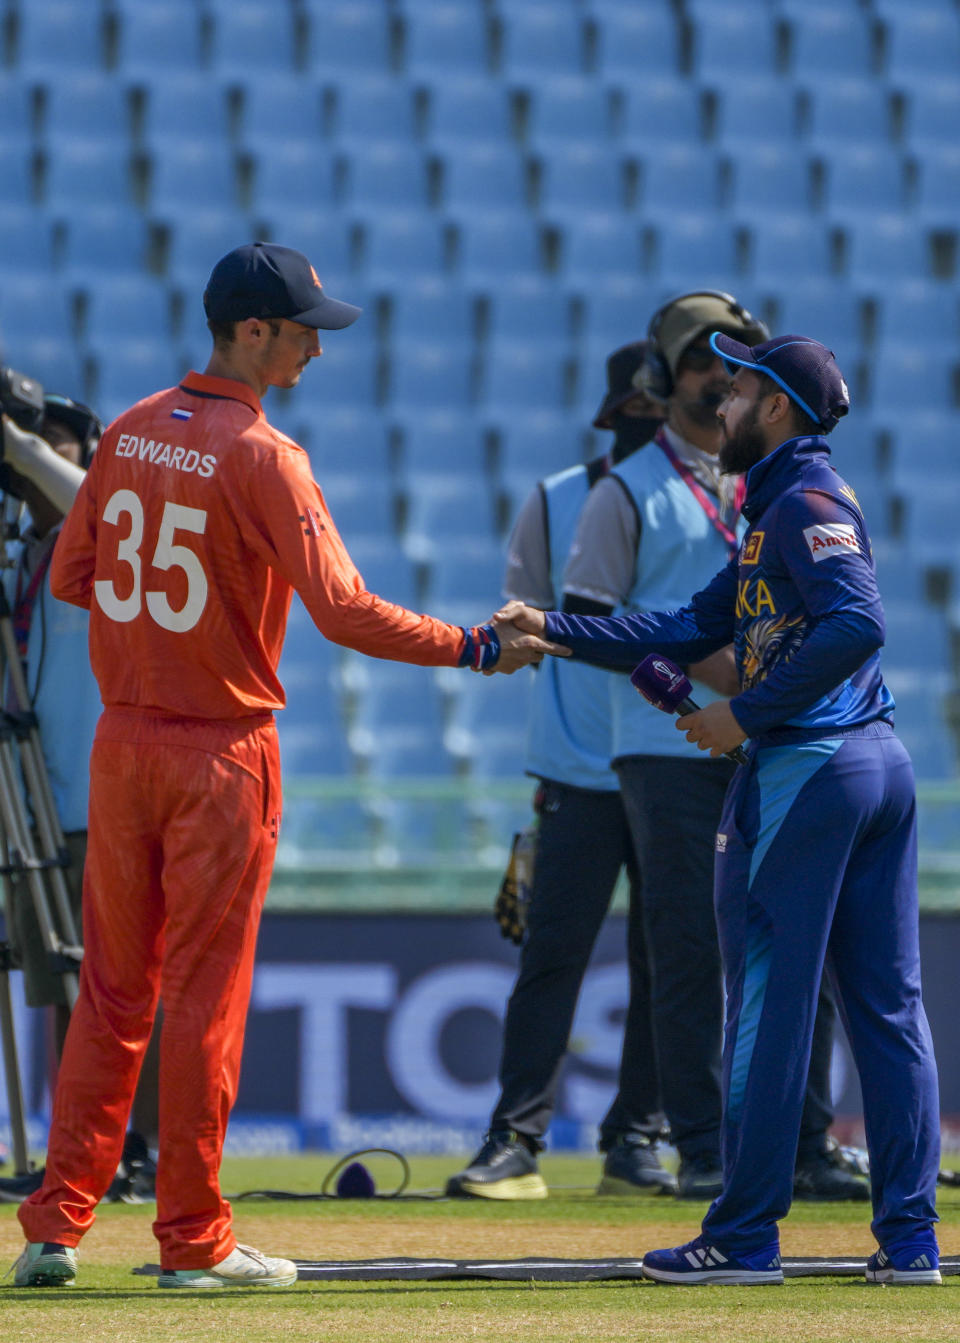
{"points": [[166, 454], [830, 538]]}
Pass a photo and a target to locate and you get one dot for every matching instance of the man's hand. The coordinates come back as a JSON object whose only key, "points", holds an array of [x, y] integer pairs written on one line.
{"points": [[713, 728], [526, 618], [519, 649]]}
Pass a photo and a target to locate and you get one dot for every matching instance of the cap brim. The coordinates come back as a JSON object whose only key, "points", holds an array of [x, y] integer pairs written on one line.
{"points": [[330, 314], [732, 351]]}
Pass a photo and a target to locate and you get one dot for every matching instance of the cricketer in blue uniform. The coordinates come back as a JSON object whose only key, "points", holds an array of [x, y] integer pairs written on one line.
{"points": [[816, 850]]}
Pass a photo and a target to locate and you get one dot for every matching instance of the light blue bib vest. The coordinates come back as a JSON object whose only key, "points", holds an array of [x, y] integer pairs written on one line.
{"points": [[569, 736], [680, 551]]}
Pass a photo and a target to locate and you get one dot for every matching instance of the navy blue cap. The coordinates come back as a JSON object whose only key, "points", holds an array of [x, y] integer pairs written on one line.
{"points": [[806, 370], [261, 279]]}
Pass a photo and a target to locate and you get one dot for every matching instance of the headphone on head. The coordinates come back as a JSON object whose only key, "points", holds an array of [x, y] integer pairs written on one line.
{"points": [[79, 419], [655, 376]]}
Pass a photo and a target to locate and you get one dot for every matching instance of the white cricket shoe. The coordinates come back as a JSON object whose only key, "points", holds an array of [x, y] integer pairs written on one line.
{"points": [[46, 1264], [243, 1267]]}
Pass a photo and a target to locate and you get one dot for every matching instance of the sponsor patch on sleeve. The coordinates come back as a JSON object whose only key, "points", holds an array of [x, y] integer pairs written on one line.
{"points": [[830, 538]]}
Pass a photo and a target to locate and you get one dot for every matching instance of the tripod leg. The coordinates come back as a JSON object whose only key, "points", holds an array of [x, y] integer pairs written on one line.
{"points": [[11, 1068]]}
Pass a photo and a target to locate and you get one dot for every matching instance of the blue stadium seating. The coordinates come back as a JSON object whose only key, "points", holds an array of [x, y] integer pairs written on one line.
{"points": [[329, 237], [885, 248], [387, 571], [842, 110], [525, 375], [579, 177], [367, 108], [567, 110], [362, 507], [939, 185], [679, 177], [592, 244], [442, 510], [16, 109], [694, 250], [134, 370], [633, 41], [864, 180], [348, 35], [251, 41], [349, 368], [466, 109], [99, 240], [488, 176], [74, 167], [120, 306], [17, 172], [86, 106], [279, 111], [539, 40], [933, 113], [661, 108], [35, 306], [341, 439], [729, 40], [183, 105], [313, 748], [926, 445], [769, 179], [398, 246], [58, 35], [440, 441], [188, 174], [927, 373], [470, 581], [531, 309], [921, 41], [830, 311], [542, 441], [445, 40], [497, 244], [758, 110], [616, 311], [785, 248], [292, 175], [157, 39], [430, 376], [27, 241], [197, 241], [383, 175], [920, 313], [323, 830], [829, 41], [52, 360], [432, 310]]}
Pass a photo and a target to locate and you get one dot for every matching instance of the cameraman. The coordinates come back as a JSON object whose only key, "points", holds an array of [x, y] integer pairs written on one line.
{"points": [[43, 471]]}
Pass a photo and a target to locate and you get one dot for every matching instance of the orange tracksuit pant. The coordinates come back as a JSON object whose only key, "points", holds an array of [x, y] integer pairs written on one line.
{"points": [[184, 816]]}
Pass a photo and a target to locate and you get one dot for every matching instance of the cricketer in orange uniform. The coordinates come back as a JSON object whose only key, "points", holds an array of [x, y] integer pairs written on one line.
{"points": [[191, 530]]}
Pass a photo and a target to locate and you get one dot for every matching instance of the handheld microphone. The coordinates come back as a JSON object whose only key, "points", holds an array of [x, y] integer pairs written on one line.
{"points": [[664, 685]]}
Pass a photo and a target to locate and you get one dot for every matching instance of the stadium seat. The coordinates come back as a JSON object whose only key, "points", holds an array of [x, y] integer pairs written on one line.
{"points": [[785, 248], [157, 38], [567, 110], [839, 111], [430, 376], [329, 237], [939, 185], [100, 239], [538, 40], [251, 40], [54, 36], [181, 105], [431, 310], [467, 109], [933, 113], [16, 109], [538, 441], [442, 510], [361, 506], [864, 180], [374, 107], [341, 439], [927, 446], [383, 175], [274, 112], [348, 371], [916, 636], [399, 246], [593, 245], [769, 180], [660, 108], [497, 244], [487, 176], [920, 42], [616, 310], [919, 313], [920, 725], [678, 178], [440, 441], [74, 169], [522, 375], [730, 40], [35, 305], [52, 360], [119, 306], [392, 693], [828, 310], [126, 373], [294, 175], [832, 41], [692, 250], [464, 589], [191, 175], [27, 240], [310, 748], [86, 106], [197, 239], [387, 571], [325, 832], [927, 376], [444, 38], [634, 41], [348, 35], [580, 177], [530, 309], [886, 247], [752, 111], [420, 832], [899, 574]]}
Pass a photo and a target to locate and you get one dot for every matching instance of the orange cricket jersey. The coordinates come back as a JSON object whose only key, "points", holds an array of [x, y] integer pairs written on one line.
{"points": [[191, 528]]}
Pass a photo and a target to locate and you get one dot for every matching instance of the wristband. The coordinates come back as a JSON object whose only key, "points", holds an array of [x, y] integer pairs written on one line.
{"points": [[481, 647]]}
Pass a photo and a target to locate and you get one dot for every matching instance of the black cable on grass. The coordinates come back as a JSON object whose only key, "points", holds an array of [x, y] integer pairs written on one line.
{"points": [[355, 1182]]}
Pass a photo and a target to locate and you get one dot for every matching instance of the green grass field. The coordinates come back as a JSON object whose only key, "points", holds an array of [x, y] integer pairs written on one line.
{"points": [[110, 1304]]}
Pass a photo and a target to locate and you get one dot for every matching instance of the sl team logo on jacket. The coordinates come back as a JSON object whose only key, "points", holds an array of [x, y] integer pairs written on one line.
{"points": [[830, 538]]}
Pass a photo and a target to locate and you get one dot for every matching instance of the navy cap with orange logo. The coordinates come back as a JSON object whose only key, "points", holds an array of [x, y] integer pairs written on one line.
{"points": [[264, 280]]}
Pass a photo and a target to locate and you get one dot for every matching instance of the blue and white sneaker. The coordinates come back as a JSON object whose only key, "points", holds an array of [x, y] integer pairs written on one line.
{"points": [[46, 1264], [914, 1264], [700, 1262]]}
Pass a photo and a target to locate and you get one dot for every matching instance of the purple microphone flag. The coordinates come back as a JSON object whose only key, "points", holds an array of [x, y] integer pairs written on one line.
{"points": [[661, 682]]}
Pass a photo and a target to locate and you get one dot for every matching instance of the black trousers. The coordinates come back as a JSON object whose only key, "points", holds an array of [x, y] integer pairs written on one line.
{"points": [[663, 832], [583, 843]]}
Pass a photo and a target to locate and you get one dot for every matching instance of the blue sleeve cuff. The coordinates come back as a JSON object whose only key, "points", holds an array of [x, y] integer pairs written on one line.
{"points": [[481, 647]]}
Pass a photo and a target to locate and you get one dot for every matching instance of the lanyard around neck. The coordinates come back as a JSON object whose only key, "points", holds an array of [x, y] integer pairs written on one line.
{"points": [[699, 493]]}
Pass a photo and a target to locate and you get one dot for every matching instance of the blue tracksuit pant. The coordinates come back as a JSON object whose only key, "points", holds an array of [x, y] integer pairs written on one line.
{"points": [[816, 863]]}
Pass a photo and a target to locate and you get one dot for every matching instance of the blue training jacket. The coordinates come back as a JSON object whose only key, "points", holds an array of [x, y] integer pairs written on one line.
{"points": [[799, 602]]}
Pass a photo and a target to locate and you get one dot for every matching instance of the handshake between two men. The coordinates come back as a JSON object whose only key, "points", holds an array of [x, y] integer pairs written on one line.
{"points": [[714, 728]]}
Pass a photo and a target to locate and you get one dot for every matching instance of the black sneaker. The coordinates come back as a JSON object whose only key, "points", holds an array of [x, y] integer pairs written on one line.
{"points": [[700, 1177], [632, 1166], [136, 1177], [826, 1176], [504, 1168], [15, 1188]]}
